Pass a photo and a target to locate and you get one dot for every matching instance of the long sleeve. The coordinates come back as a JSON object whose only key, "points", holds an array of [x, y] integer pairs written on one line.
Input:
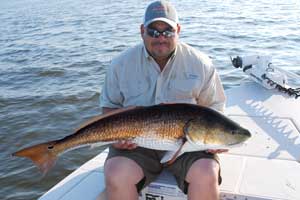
{"points": [[111, 96], [212, 94]]}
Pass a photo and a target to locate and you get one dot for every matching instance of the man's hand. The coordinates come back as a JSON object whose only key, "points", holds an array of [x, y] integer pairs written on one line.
{"points": [[125, 144], [216, 151]]}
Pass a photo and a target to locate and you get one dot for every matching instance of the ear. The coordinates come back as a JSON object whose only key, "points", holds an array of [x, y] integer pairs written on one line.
{"points": [[178, 28], [142, 29]]}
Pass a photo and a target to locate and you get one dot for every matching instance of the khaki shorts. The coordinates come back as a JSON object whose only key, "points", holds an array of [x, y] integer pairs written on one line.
{"points": [[149, 161]]}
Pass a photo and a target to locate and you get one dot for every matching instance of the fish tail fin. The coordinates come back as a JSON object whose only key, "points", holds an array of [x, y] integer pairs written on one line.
{"points": [[42, 155]]}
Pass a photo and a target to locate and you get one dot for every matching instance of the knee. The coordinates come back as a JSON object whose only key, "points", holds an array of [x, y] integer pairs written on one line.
{"points": [[204, 171], [120, 171]]}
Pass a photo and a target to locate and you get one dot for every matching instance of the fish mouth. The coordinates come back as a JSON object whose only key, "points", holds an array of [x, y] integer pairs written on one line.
{"points": [[247, 133], [243, 132], [240, 136]]}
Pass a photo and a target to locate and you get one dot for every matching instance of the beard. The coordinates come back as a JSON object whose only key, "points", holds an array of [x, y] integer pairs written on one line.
{"points": [[161, 49]]}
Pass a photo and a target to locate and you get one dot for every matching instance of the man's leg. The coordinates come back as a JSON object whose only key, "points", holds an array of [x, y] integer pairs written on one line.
{"points": [[121, 176], [202, 177]]}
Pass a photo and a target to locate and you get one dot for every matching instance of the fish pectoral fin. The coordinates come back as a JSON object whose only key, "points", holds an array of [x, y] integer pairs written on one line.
{"points": [[190, 146], [169, 155], [186, 127]]}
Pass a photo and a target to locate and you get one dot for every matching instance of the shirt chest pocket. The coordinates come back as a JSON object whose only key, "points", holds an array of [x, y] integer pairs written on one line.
{"points": [[184, 88]]}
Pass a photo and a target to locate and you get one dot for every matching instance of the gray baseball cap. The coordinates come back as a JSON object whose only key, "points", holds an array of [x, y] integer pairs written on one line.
{"points": [[161, 11]]}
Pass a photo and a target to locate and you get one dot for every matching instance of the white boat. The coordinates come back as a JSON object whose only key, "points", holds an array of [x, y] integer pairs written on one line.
{"points": [[266, 168]]}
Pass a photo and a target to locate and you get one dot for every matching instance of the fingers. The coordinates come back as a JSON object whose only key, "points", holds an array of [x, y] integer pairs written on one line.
{"points": [[214, 151], [125, 144]]}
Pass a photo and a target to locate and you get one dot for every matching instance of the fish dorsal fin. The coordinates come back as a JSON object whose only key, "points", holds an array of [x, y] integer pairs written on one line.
{"points": [[102, 116]]}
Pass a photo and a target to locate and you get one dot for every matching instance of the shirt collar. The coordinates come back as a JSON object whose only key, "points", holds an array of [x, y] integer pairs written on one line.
{"points": [[147, 55]]}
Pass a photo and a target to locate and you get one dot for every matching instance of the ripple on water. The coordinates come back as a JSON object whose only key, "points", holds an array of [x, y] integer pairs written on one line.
{"points": [[52, 72]]}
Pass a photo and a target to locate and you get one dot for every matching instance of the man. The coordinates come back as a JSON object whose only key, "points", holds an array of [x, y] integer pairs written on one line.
{"points": [[160, 70]]}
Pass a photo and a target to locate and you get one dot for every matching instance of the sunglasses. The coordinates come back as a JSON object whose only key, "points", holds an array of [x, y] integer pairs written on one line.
{"points": [[156, 33]]}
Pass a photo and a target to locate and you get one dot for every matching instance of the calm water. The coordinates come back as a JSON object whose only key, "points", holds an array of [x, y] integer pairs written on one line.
{"points": [[54, 54]]}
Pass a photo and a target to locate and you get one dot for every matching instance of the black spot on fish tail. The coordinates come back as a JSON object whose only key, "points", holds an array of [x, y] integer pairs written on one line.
{"points": [[50, 147]]}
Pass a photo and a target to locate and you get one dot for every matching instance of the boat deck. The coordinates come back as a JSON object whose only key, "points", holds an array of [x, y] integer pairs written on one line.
{"points": [[266, 167]]}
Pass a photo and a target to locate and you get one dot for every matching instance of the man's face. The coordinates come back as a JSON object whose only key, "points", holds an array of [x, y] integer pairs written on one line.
{"points": [[160, 46]]}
